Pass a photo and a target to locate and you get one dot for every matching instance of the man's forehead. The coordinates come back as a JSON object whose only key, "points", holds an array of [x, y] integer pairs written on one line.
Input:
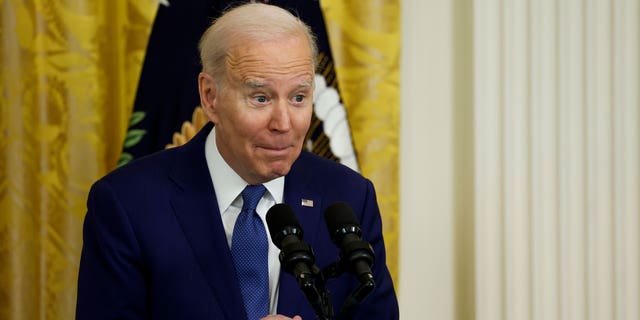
{"points": [[254, 63], [302, 81], [290, 55]]}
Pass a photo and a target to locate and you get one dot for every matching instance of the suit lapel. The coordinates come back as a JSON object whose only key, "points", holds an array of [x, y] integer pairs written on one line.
{"points": [[196, 209], [298, 187]]}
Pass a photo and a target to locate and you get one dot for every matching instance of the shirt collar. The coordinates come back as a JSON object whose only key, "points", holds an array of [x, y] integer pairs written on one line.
{"points": [[227, 184]]}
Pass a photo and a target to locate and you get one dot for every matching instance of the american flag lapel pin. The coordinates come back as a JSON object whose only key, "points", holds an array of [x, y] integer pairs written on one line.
{"points": [[307, 203]]}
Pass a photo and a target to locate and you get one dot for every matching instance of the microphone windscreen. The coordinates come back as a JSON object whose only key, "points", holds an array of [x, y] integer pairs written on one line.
{"points": [[280, 217], [339, 215]]}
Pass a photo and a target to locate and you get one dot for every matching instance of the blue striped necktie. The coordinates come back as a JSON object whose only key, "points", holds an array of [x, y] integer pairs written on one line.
{"points": [[249, 248]]}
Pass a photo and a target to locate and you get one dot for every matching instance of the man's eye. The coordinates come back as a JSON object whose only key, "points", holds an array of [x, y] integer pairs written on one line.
{"points": [[261, 99], [298, 98]]}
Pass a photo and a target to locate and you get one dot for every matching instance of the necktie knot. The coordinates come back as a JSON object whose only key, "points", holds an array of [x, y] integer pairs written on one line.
{"points": [[251, 195]]}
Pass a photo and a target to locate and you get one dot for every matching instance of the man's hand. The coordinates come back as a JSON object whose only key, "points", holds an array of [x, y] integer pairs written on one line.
{"points": [[280, 317]]}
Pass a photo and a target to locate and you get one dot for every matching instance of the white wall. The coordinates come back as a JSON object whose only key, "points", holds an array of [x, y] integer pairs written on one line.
{"points": [[520, 160]]}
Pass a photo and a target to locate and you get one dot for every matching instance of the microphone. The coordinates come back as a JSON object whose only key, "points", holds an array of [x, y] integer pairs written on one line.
{"points": [[296, 255], [345, 232]]}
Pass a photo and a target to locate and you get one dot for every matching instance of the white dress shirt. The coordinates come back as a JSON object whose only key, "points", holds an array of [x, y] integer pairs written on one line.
{"points": [[228, 186]]}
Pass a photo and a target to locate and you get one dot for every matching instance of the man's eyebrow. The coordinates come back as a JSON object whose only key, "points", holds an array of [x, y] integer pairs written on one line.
{"points": [[254, 83], [306, 84]]}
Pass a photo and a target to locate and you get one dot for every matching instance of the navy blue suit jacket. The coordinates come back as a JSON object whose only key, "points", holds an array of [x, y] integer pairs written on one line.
{"points": [[155, 248]]}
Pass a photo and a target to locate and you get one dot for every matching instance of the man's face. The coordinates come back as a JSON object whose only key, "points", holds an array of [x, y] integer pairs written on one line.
{"points": [[263, 109]]}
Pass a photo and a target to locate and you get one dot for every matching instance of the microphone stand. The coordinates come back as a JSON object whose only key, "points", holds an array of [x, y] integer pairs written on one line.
{"points": [[314, 288], [316, 293], [367, 284]]}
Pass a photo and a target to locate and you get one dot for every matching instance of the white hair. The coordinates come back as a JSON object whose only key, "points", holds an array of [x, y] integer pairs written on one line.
{"points": [[246, 23]]}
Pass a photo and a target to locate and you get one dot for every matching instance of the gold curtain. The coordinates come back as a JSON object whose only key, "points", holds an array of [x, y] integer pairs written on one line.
{"points": [[69, 71], [365, 43]]}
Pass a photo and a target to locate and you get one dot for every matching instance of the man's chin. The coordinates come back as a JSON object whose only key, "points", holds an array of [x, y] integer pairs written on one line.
{"points": [[278, 171]]}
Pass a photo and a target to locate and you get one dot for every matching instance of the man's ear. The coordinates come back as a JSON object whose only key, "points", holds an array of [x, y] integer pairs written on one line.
{"points": [[208, 89]]}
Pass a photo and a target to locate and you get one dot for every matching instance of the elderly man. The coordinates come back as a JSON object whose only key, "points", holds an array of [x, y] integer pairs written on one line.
{"points": [[181, 234]]}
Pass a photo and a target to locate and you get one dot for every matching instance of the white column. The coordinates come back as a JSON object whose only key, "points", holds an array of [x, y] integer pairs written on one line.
{"points": [[516, 158], [544, 119], [572, 155], [426, 173], [489, 161], [556, 94], [626, 154], [599, 109], [557, 159]]}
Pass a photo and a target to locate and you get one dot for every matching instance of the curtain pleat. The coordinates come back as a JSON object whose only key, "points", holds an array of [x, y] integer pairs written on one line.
{"points": [[68, 72]]}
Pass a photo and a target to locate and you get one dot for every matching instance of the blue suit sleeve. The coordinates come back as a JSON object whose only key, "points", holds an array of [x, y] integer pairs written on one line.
{"points": [[111, 282], [382, 303]]}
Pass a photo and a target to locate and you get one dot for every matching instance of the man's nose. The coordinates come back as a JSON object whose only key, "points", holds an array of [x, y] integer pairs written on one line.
{"points": [[280, 117]]}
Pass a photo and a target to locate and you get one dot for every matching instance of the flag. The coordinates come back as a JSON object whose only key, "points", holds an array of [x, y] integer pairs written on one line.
{"points": [[168, 91], [365, 42]]}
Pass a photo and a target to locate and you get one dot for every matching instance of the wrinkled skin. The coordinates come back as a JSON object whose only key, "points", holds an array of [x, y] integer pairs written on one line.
{"points": [[262, 108]]}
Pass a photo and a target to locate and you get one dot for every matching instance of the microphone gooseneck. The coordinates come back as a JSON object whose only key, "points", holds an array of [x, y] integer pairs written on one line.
{"points": [[356, 255]]}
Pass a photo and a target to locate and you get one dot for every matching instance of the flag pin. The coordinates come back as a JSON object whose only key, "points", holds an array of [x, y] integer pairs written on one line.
{"points": [[307, 203]]}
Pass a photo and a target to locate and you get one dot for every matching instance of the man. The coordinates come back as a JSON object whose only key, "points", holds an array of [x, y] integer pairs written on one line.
{"points": [[165, 236]]}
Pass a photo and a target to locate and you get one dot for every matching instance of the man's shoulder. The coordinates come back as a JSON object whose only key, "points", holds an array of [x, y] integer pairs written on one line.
{"points": [[325, 168], [143, 170], [160, 163], [307, 158]]}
